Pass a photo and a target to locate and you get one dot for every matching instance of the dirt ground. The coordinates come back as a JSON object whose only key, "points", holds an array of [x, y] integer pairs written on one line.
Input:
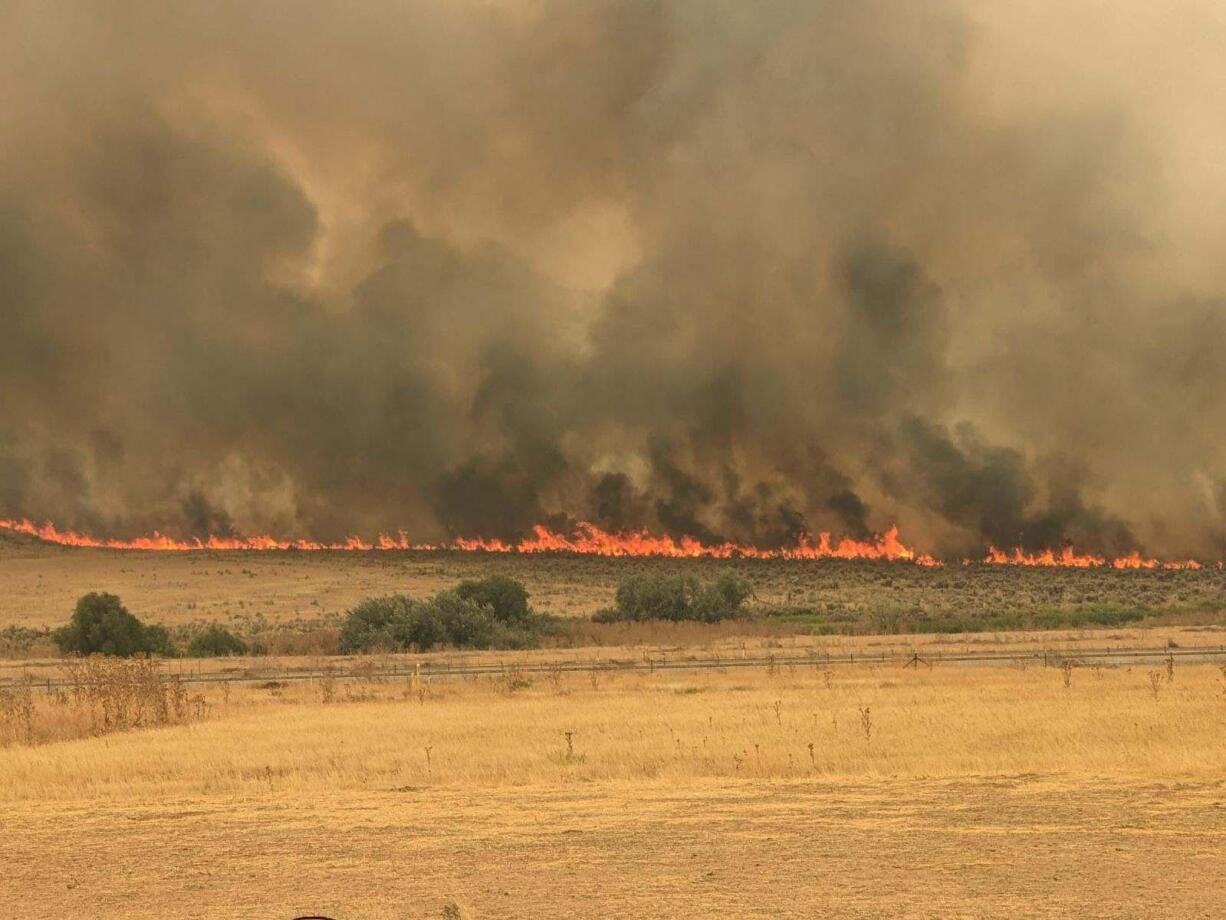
{"points": [[1021, 846]]}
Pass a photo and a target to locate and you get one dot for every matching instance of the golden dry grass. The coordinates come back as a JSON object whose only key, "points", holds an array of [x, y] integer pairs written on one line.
{"points": [[977, 792], [968, 848], [949, 721]]}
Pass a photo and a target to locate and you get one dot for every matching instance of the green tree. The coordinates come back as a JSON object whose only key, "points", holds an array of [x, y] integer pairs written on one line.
{"points": [[102, 625], [506, 597]]}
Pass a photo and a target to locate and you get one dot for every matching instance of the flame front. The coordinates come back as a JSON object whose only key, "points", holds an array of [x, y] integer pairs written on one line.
{"points": [[159, 542], [589, 540], [1068, 558], [1135, 560]]}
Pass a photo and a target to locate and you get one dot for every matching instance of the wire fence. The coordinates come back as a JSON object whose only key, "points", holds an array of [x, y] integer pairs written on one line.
{"points": [[369, 670]]}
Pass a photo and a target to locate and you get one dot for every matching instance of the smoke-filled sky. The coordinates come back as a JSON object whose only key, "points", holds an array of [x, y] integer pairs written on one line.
{"points": [[730, 269]]}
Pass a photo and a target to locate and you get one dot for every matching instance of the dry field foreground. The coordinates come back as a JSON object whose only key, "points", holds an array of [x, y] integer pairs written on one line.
{"points": [[949, 792]]}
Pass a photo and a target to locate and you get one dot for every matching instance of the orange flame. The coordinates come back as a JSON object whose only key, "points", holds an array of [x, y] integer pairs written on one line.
{"points": [[159, 542], [590, 540], [587, 539], [1135, 560], [1069, 558], [1065, 558]]}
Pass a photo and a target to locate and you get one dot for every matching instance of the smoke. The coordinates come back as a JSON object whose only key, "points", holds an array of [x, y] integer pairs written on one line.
{"points": [[734, 270]]}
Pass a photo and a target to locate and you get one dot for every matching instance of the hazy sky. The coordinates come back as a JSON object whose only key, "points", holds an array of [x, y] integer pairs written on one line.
{"points": [[726, 268]]}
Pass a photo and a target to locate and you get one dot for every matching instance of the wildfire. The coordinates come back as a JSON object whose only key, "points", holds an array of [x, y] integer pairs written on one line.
{"points": [[587, 539], [159, 542], [1065, 558], [1135, 560], [590, 540], [1069, 558]]}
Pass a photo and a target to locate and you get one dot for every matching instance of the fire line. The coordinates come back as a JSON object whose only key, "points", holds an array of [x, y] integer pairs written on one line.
{"points": [[589, 540]]}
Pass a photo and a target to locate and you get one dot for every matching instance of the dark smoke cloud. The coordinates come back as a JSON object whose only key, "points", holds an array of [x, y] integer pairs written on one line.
{"points": [[994, 493], [735, 270]]}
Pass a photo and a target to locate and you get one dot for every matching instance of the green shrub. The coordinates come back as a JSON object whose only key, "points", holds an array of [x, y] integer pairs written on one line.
{"points": [[1103, 615], [506, 597], [672, 597], [492, 613], [102, 625], [653, 597], [721, 599], [378, 623], [216, 642], [465, 624]]}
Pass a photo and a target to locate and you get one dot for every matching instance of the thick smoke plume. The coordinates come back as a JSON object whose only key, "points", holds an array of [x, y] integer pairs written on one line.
{"points": [[730, 269]]}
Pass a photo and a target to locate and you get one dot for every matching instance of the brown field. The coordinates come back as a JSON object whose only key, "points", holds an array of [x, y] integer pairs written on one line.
{"points": [[40, 583], [794, 789], [944, 792]]}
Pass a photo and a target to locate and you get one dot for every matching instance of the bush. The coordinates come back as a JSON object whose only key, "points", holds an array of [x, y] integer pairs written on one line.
{"points": [[379, 623], [24, 642], [102, 625], [672, 597], [492, 613], [216, 642], [506, 597], [653, 597], [721, 599]]}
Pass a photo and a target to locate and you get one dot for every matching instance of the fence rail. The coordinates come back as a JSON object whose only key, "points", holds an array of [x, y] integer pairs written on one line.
{"points": [[348, 669]]}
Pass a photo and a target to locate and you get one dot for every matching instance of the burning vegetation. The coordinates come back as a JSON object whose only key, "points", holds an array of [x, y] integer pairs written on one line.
{"points": [[589, 540]]}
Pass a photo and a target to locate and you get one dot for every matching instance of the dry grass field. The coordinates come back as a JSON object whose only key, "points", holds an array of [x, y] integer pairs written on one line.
{"points": [[793, 789], [857, 791], [40, 583]]}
